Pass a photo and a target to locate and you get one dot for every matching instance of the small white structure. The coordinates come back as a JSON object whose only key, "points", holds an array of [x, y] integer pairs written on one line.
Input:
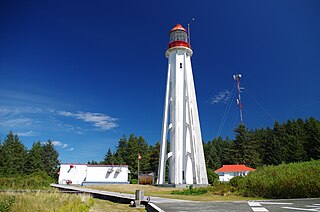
{"points": [[180, 118], [87, 174], [227, 172]]}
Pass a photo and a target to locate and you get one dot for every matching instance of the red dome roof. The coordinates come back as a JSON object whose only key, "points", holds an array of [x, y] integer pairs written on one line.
{"points": [[178, 27]]}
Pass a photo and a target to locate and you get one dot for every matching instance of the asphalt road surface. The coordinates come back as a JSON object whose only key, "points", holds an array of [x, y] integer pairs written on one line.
{"points": [[285, 205]]}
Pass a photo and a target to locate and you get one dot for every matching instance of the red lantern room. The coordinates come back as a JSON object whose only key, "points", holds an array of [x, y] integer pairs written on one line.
{"points": [[178, 37]]}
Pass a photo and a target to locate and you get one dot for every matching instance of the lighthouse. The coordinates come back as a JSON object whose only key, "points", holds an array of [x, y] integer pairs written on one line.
{"points": [[181, 126]]}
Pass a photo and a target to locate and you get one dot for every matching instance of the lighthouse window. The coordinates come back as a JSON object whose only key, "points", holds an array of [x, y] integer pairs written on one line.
{"points": [[180, 65], [171, 37]]}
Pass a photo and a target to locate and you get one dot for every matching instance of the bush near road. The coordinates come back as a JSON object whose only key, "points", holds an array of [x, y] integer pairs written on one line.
{"points": [[294, 180], [39, 180]]}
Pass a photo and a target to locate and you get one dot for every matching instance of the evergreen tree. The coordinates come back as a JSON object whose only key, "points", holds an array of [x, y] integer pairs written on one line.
{"points": [[143, 150], [280, 137], [122, 151], [109, 158], [220, 146], [211, 156], [1, 159], [137, 146], [14, 155], [93, 162], [34, 161], [237, 146], [268, 147], [312, 129], [244, 148], [272, 149], [296, 150], [227, 150], [50, 159], [154, 157], [295, 138], [251, 156], [127, 153]]}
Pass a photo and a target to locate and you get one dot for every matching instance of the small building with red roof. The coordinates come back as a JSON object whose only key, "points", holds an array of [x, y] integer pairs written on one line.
{"points": [[226, 172]]}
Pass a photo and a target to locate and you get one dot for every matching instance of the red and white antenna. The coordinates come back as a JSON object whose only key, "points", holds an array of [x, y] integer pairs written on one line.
{"points": [[237, 77]]}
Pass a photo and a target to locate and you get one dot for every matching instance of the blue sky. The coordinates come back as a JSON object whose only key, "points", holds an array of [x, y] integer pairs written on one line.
{"points": [[83, 73]]}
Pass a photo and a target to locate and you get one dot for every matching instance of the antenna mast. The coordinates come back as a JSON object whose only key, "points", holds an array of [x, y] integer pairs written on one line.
{"points": [[237, 77]]}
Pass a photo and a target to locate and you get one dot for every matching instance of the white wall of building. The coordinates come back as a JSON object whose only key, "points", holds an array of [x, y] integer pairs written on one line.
{"points": [[115, 174], [227, 176], [77, 174], [92, 174]]}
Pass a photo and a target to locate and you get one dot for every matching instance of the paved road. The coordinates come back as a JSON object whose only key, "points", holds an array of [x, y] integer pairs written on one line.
{"points": [[184, 205], [272, 206]]}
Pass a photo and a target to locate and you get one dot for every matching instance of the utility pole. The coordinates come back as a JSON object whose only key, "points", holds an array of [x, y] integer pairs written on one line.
{"points": [[237, 77]]}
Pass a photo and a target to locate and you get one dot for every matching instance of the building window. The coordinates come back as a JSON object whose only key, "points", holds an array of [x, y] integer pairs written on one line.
{"points": [[180, 65]]}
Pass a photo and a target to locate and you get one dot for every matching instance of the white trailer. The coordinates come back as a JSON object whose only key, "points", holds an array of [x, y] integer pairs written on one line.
{"points": [[86, 174]]}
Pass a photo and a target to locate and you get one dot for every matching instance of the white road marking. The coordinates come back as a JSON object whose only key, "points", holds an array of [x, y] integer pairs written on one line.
{"points": [[259, 209], [300, 209], [312, 206], [254, 204], [276, 203]]}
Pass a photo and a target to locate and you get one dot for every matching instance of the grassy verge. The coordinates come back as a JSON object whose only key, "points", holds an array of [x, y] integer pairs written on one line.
{"points": [[34, 181], [165, 192], [104, 205], [46, 202]]}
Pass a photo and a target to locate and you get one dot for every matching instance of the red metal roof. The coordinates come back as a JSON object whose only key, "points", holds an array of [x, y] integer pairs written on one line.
{"points": [[234, 168], [178, 27]]}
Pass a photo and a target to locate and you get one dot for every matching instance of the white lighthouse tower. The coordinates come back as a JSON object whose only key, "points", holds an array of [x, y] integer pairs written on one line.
{"points": [[181, 124]]}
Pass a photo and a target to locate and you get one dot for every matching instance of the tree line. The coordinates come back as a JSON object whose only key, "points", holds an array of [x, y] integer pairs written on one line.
{"points": [[127, 153], [17, 160], [292, 141]]}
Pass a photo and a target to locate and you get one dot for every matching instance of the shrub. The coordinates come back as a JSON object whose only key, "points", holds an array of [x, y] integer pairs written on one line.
{"points": [[191, 191], [134, 181], [6, 204], [213, 177], [38, 180], [222, 189], [235, 181], [295, 180]]}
